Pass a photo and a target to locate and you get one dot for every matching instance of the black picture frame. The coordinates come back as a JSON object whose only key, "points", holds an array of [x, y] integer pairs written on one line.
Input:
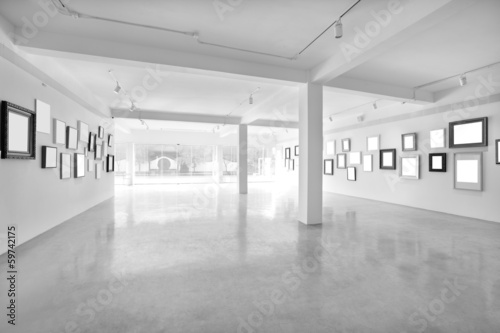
{"points": [[296, 150], [110, 140], [92, 142], [79, 165], [444, 158], [71, 138], [325, 162], [288, 153], [49, 157], [7, 126], [497, 150], [403, 141], [484, 134], [100, 132], [110, 163], [393, 159]]}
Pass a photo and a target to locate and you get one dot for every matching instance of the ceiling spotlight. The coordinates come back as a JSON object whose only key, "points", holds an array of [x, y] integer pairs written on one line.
{"points": [[339, 31], [330, 118], [463, 80], [133, 108], [375, 106], [118, 88], [250, 100]]}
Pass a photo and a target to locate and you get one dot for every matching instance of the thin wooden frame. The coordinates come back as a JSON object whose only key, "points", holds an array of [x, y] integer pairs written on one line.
{"points": [[435, 166], [407, 146], [65, 166], [328, 167], [71, 138], [346, 145], [11, 148], [384, 153], [351, 174], [341, 161], [49, 157], [373, 143], [468, 171], [458, 128], [413, 162]]}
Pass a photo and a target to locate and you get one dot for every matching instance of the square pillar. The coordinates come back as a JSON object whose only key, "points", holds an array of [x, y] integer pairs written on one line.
{"points": [[243, 159], [311, 154]]}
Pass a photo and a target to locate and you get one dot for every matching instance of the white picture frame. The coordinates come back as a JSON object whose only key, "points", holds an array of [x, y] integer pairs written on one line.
{"points": [[351, 174], [42, 117], [330, 148], [59, 132], [410, 167], [355, 158], [438, 138], [373, 143], [368, 163], [468, 171], [341, 161], [83, 131]]}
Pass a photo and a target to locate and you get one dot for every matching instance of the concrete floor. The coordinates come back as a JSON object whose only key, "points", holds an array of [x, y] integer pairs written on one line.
{"points": [[201, 259]]}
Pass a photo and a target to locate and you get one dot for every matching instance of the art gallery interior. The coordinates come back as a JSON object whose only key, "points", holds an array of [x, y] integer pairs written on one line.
{"points": [[250, 166]]}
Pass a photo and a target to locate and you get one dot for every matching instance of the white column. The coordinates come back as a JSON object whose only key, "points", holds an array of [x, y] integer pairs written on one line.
{"points": [[243, 159], [219, 164], [131, 163], [311, 153]]}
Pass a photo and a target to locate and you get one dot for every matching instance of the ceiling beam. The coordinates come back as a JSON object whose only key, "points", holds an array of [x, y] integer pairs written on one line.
{"points": [[380, 91], [405, 21]]}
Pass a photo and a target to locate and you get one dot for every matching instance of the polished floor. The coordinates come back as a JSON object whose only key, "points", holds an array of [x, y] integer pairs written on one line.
{"points": [[199, 258]]}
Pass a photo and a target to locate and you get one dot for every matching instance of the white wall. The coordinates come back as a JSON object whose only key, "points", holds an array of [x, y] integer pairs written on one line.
{"points": [[33, 198], [434, 191]]}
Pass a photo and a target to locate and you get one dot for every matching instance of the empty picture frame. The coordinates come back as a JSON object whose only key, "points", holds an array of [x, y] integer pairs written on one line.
{"points": [[469, 133], [98, 170], [296, 150], [71, 138], [468, 171], [49, 157], [351, 174], [328, 167], [355, 158], [341, 161], [409, 141], [65, 166], [287, 153], [437, 162], [497, 149], [346, 145], [330, 148], [59, 132], [42, 117], [101, 132], [291, 165], [387, 159], [437, 138], [18, 132], [83, 132], [98, 152], [79, 165], [410, 167], [110, 163], [368, 163], [110, 140], [372, 143], [91, 143]]}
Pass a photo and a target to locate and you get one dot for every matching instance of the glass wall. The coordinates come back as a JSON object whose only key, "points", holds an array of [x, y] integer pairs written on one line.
{"points": [[260, 164]]}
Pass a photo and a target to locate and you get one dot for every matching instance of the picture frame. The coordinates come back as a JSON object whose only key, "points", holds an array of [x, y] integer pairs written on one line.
{"points": [[79, 165], [368, 163], [409, 141], [328, 167], [49, 157], [111, 142], [410, 167], [296, 151], [92, 142], [59, 132], [98, 152], [42, 110], [437, 162], [330, 148], [98, 170], [469, 133], [18, 132], [355, 158], [83, 131], [287, 153], [351, 174], [65, 163], [71, 138], [346, 145], [468, 171], [387, 159], [497, 150], [100, 132], [373, 143], [291, 164], [341, 161], [437, 138], [110, 163]]}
